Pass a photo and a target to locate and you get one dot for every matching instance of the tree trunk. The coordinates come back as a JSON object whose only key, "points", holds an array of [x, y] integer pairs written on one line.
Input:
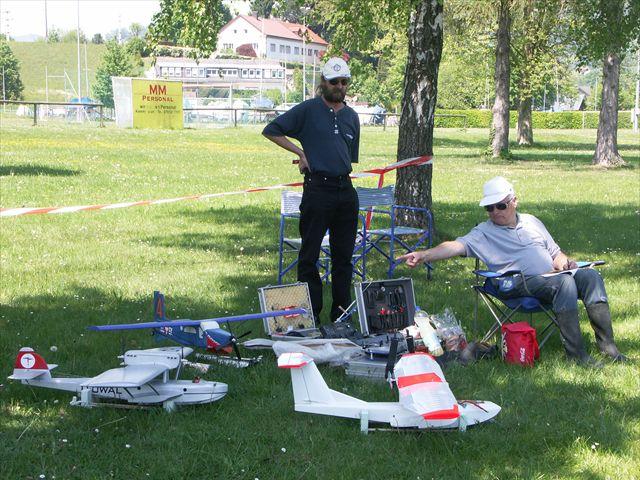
{"points": [[413, 184], [525, 126], [606, 154], [500, 126]]}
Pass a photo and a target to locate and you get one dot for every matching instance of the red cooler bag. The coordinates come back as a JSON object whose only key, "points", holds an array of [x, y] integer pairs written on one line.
{"points": [[519, 344]]}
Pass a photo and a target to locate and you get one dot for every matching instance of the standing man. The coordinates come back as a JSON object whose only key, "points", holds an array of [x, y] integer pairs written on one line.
{"points": [[508, 241], [329, 132]]}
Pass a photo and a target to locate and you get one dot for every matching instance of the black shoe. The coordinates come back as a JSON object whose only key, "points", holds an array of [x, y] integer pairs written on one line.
{"points": [[587, 361]]}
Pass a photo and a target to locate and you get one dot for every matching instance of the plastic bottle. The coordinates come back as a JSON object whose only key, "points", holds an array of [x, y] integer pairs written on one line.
{"points": [[427, 332]]}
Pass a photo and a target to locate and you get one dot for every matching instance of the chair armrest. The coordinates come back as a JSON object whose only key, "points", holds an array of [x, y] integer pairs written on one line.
{"points": [[415, 209], [590, 264], [490, 274]]}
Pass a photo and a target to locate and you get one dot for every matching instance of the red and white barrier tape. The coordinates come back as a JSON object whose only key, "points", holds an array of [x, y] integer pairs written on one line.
{"points": [[14, 212]]}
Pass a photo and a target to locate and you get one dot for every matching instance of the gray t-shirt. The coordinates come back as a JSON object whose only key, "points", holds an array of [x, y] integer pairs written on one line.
{"points": [[527, 247]]}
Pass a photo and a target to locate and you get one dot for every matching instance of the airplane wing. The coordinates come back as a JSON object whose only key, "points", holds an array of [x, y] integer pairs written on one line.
{"points": [[195, 323], [129, 376]]}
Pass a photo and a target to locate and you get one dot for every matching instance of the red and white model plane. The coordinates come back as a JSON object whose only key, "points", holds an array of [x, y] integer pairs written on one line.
{"points": [[426, 401], [143, 380]]}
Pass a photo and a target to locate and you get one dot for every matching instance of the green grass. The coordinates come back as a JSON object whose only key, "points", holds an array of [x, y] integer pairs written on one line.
{"points": [[57, 58], [61, 273]]}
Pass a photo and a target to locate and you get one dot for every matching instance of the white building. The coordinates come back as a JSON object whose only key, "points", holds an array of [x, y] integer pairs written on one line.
{"points": [[257, 73], [272, 38]]}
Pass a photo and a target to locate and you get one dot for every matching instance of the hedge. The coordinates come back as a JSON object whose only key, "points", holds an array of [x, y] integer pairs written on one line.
{"points": [[571, 120]]}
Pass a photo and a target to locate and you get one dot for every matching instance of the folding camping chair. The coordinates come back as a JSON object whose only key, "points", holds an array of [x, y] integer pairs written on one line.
{"points": [[504, 310], [392, 236], [290, 246]]}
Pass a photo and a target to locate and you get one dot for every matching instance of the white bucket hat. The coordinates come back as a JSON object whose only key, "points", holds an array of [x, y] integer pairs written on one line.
{"points": [[336, 67], [495, 190]]}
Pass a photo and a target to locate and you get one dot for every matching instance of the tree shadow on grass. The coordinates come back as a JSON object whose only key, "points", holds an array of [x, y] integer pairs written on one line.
{"points": [[36, 170]]}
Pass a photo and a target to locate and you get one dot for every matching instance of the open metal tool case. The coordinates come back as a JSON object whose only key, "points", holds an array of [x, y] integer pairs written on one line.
{"points": [[287, 297], [385, 305]]}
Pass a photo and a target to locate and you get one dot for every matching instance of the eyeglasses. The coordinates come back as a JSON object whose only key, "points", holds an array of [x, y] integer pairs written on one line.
{"points": [[499, 206], [343, 81]]}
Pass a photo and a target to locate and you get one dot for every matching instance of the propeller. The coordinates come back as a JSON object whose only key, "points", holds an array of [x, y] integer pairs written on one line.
{"points": [[391, 359], [234, 341]]}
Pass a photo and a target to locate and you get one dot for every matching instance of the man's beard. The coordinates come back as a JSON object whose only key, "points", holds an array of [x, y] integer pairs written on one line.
{"points": [[333, 95]]}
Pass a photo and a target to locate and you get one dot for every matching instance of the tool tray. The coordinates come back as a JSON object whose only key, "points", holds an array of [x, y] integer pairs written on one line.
{"points": [[385, 305]]}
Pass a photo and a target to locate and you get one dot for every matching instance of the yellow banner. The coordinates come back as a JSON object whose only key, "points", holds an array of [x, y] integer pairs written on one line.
{"points": [[156, 104]]}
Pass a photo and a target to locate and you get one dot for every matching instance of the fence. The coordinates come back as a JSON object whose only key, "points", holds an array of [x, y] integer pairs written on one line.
{"points": [[219, 116], [80, 112]]}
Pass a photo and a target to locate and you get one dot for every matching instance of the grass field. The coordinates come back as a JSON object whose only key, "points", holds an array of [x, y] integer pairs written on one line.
{"points": [[61, 273]]}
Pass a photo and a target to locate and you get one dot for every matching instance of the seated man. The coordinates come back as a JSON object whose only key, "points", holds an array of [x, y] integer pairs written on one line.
{"points": [[518, 241]]}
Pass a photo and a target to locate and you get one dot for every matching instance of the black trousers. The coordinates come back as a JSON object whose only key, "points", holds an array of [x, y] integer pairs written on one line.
{"points": [[328, 203]]}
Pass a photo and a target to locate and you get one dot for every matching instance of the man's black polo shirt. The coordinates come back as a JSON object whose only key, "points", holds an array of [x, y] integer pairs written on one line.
{"points": [[330, 140]]}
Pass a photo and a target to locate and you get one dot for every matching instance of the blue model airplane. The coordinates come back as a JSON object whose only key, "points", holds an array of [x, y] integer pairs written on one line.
{"points": [[205, 333]]}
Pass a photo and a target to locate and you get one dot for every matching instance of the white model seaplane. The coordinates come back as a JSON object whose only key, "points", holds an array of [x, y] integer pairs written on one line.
{"points": [[144, 380], [426, 402]]}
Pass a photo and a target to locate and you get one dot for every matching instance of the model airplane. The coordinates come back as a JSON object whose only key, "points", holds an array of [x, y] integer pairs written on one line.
{"points": [[144, 380], [426, 402], [206, 333]]}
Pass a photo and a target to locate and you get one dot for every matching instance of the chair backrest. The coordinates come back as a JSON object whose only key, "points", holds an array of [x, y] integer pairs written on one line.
{"points": [[373, 197], [290, 202]]}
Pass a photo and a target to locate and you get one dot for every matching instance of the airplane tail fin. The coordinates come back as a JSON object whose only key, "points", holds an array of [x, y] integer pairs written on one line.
{"points": [[306, 379], [30, 365], [159, 313]]}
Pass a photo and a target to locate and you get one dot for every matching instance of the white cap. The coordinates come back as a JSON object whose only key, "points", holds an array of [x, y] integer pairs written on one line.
{"points": [[496, 189], [336, 68]]}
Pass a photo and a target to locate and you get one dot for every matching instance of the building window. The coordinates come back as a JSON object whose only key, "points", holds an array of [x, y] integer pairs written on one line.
{"points": [[281, 48], [273, 47], [201, 72], [310, 51], [164, 72], [245, 73], [296, 50], [288, 48], [235, 31], [227, 46], [187, 72]]}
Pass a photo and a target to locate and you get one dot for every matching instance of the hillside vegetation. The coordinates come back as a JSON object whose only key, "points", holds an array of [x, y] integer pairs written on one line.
{"points": [[57, 58]]}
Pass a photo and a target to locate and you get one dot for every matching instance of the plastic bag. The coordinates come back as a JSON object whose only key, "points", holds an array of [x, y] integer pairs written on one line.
{"points": [[450, 331]]}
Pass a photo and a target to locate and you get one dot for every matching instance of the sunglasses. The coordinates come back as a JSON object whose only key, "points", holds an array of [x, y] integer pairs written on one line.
{"points": [[343, 81], [499, 206]]}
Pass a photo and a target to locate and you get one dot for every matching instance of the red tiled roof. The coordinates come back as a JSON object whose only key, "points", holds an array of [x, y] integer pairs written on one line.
{"points": [[279, 28]]}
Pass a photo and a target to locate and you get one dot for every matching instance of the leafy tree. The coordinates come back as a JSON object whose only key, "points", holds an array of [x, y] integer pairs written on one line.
{"points": [[602, 31], [502, 76], [246, 49], [188, 23], [54, 35], [136, 46], [137, 30], [116, 62], [10, 69], [263, 8], [97, 39], [72, 37], [362, 24], [535, 47]]}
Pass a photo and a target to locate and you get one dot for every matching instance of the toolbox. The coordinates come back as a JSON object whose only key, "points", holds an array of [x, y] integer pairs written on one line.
{"points": [[287, 297], [366, 367], [385, 305]]}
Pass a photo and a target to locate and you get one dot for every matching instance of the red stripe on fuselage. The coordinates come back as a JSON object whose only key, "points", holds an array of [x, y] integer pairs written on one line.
{"points": [[409, 380], [443, 414]]}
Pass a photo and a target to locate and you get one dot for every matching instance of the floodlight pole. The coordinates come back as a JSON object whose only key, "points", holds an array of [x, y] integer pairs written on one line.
{"points": [[78, 43], [636, 109]]}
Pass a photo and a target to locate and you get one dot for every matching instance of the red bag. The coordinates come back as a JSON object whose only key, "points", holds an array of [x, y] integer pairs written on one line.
{"points": [[519, 344]]}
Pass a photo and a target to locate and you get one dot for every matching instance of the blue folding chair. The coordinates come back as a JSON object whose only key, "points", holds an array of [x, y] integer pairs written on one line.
{"points": [[289, 247], [504, 310], [393, 237]]}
